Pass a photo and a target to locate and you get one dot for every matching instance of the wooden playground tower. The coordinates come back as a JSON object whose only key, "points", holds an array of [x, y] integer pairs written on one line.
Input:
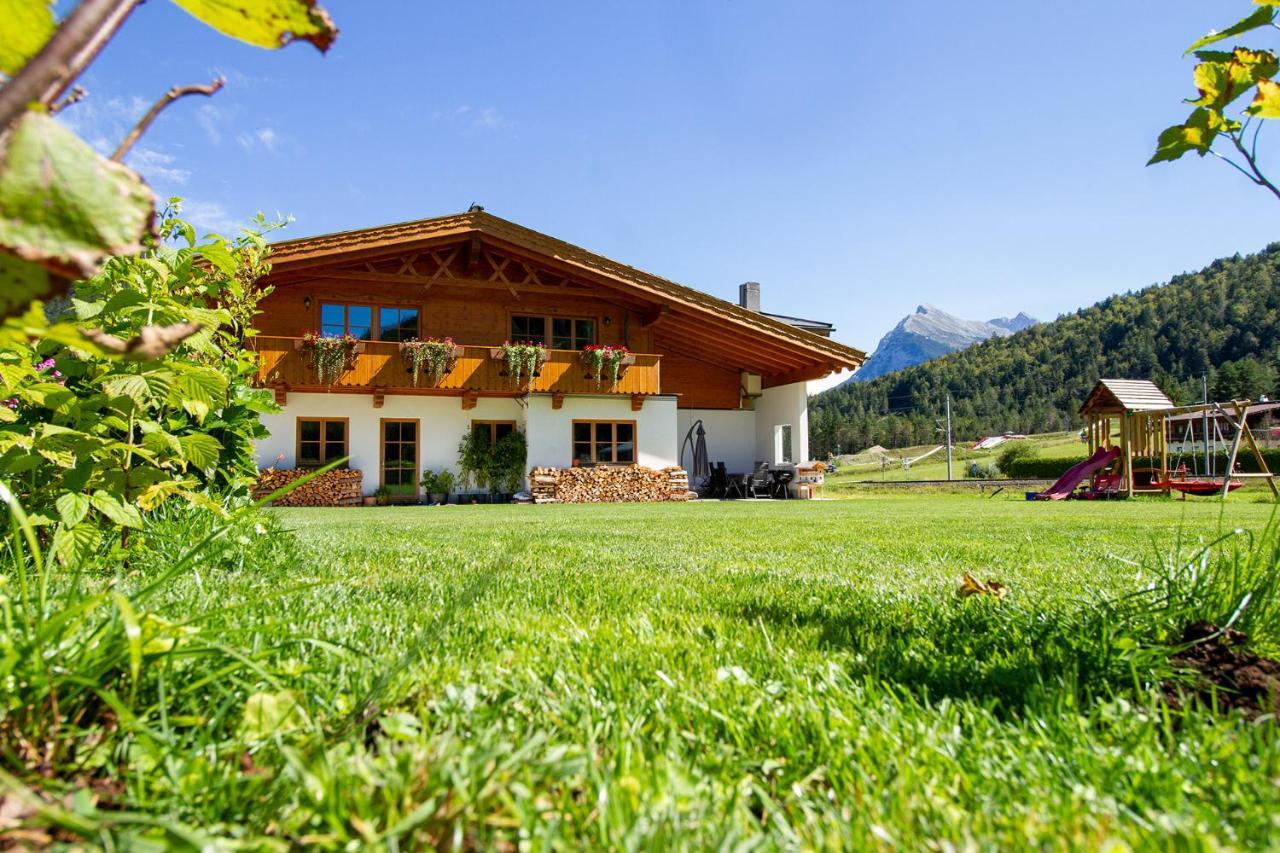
{"points": [[1141, 412]]}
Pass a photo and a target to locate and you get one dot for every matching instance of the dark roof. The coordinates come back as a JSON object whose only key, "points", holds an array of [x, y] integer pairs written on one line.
{"points": [[818, 327], [1250, 411]]}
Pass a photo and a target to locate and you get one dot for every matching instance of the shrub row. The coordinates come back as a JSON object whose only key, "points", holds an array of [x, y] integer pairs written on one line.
{"points": [[1053, 467], [1040, 467]]}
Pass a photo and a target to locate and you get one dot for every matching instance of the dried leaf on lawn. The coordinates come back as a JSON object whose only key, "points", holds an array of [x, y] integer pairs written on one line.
{"points": [[970, 585]]}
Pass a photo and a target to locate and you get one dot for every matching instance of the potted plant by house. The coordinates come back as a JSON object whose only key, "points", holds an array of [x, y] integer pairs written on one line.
{"points": [[507, 465], [381, 496], [437, 485], [433, 358], [523, 360], [330, 357], [498, 468], [606, 359]]}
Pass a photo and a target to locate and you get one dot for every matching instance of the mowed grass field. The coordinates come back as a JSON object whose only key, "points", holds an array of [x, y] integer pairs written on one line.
{"points": [[724, 674], [864, 466]]}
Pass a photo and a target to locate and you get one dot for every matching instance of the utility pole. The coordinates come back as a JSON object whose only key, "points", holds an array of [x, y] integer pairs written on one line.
{"points": [[948, 437], [1204, 425]]}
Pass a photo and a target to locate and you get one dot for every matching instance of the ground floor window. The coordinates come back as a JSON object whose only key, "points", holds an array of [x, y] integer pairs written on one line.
{"points": [[400, 456], [782, 444], [494, 431], [321, 441], [604, 442]]}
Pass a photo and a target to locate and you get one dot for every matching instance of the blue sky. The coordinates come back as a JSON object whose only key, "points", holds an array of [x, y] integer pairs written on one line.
{"points": [[855, 158]]}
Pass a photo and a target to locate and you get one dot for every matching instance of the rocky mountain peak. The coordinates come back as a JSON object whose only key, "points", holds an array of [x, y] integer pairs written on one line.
{"points": [[929, 332]]}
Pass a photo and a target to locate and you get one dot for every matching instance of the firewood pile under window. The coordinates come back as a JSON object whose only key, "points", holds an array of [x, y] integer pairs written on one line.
{"points": [[340, 487], [608, 484]]}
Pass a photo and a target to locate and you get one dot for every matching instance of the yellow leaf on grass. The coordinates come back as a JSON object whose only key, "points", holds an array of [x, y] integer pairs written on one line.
{"points": [[970, 585], [267, 714]]}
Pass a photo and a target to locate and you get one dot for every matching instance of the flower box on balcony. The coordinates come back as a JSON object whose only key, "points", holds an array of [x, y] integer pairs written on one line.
{"points": [[531, 367], [311, 343], [435, 371], [300, 344], [606, 362]]}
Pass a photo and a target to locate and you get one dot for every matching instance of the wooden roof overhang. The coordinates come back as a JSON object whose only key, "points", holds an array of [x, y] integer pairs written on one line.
{"points": [[1121, 396], [686, 321]]}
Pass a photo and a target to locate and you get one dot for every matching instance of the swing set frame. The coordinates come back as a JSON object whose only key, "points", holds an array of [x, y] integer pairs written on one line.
{"points": [[1139, 411], [1240, 424]]}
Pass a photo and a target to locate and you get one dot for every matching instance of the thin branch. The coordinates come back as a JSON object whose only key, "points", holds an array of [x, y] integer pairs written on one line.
{"points": [[165, 100], [1233, 164], [75, 96], [1258, 177], [1253, 148], [50, 72]]}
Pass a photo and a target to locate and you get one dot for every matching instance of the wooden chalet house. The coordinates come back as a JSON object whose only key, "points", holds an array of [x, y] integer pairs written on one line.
{"points": [[482, 281]]}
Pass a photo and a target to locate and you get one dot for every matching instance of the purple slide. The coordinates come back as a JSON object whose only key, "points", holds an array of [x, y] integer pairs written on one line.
{"points": [[1076, 474]]}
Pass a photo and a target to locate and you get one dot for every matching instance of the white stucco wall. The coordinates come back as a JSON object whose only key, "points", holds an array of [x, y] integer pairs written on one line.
{"points": [[731, 437], [785, 404], [739, 438], [550, 431], [442, 421]]}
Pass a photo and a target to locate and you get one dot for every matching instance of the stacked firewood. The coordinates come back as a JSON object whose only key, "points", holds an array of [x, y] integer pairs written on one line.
{"points": [[340, 487], [606, 484]]}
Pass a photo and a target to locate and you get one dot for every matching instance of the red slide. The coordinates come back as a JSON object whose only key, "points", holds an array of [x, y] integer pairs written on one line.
{"points": [[1077, 473]]}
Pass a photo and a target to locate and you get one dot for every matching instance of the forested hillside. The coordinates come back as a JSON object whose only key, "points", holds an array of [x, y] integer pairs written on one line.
{"points": [[1223, 321]]}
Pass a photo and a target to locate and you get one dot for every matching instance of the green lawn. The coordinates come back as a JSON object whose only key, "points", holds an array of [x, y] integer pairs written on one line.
{"points": [[706, 674], [864, 467]]}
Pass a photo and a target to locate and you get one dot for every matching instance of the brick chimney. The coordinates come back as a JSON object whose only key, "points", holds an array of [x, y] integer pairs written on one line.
{"points": [[749, 295]]}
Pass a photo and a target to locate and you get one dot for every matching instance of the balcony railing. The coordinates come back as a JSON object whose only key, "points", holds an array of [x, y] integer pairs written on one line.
{"points": [[379, 366]]}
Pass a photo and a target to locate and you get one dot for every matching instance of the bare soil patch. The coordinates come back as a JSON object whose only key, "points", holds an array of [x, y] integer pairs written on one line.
{"points": [[1226, 673]]}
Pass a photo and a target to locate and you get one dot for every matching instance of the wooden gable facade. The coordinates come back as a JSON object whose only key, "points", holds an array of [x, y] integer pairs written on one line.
{"points": [[482, 280]]}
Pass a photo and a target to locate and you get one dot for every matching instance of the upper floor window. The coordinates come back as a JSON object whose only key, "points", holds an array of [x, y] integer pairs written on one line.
{"points": [[367, 323], [338, 319], [553, 332], [531, 329], [397, 324], [572, 334]]}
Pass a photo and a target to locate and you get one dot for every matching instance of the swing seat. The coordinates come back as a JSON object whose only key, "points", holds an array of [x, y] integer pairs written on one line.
{"points": [[1200, 488]]}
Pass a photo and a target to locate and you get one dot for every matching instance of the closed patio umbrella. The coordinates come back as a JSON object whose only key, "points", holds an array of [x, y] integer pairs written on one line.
{"points": [[701, 466]]}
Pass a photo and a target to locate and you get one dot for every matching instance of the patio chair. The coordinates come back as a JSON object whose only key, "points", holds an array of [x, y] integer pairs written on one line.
{"points": [[737, 486], [717, 483], [782, 484], [760, 483]]}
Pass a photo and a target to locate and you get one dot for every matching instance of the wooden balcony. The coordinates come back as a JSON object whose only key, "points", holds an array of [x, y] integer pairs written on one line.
{"points": [[379, 368]]}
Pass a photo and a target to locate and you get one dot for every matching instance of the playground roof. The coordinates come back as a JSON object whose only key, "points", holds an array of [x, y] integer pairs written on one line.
{"points": [[1250, 411], [1125, 395]]}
